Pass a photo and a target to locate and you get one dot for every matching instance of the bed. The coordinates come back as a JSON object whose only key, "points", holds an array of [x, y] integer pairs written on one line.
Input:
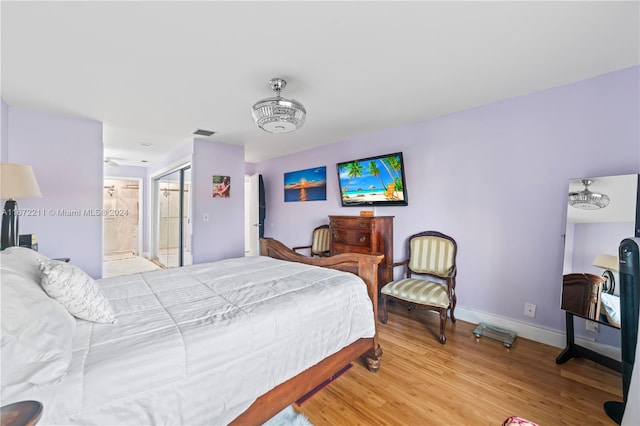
{"points": [[233, 341]]}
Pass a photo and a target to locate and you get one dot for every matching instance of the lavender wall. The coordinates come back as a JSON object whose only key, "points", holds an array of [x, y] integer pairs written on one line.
{"points": [[66, 156], [4, 131], [596, 238], [222, 235], [494, 178]]}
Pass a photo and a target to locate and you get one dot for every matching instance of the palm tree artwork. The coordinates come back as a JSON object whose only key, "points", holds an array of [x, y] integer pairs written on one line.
{"points": [[372, 181], [394, 168], [354, 170], [375, 171]]}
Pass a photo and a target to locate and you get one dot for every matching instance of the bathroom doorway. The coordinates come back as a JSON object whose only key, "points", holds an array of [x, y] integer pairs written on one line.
{"points": [[122, 239]]}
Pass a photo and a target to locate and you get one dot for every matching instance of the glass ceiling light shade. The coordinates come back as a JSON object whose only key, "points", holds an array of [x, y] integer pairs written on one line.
{"points": [[586, 199], [277, 114]]}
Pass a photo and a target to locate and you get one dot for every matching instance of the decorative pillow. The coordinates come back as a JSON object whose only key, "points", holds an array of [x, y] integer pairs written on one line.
{"points": [[76, 291], [37, 335]]}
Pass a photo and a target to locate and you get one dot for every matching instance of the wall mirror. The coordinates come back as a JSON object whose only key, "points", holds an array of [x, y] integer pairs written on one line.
{"points": [[601, 212]]}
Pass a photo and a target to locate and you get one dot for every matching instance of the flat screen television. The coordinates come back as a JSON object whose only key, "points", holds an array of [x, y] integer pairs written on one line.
{"points": [[373, 181]]}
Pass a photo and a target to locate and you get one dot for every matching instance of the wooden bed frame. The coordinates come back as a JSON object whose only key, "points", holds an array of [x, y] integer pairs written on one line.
{"points": [[283, 395]]}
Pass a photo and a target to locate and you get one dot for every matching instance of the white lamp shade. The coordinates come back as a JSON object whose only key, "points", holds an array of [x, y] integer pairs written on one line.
{"points": [[606, 261], [18, 181]]}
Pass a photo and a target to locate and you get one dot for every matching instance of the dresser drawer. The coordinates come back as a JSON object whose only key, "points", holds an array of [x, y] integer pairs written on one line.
{"points": [[345, 248], [351, 222], [351, 237]]}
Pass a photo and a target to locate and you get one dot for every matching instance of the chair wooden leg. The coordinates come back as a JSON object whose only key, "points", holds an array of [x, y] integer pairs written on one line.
{"points": [[454, 299], [385, 313], [443, 323]]}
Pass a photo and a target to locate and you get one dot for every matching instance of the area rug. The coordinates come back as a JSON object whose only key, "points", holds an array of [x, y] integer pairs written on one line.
{"points": [[323, 384], [288, 417]]}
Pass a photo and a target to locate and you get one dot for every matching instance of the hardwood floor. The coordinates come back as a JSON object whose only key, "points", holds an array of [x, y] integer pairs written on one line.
{"points": [[466, 381]]}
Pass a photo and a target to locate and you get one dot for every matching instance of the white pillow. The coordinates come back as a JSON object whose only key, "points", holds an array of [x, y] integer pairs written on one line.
{"points": [[76, 291], [37, 335], [23, 261], [611, 305]]}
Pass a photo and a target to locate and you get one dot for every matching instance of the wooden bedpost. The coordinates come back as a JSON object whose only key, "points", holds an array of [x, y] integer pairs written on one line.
{"points": [[369, 274]]}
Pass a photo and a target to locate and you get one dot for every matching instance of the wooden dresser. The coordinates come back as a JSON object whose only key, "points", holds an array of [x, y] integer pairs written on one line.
{"points": [[362, 234]]}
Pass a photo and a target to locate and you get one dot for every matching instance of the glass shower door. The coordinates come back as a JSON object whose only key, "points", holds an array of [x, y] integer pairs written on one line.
{"points": [[169, 219], [186, 217], [174, 218]]}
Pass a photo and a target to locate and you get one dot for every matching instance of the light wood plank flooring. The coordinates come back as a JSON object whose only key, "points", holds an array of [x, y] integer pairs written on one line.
{"points": [[467, 381]]}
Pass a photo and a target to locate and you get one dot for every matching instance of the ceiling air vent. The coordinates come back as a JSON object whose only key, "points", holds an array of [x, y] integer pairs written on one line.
{"points": [[202, 132]]}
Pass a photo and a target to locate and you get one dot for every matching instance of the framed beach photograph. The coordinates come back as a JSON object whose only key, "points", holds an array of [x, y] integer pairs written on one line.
{"points": [[306, 185], [221, 186]]}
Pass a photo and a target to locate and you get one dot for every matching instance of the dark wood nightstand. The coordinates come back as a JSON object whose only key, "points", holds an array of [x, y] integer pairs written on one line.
{"points": [[23, 413]]}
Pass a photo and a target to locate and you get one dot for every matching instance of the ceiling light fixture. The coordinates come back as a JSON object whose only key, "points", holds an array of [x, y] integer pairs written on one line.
{"points": [[277, 114], [586, 199]]}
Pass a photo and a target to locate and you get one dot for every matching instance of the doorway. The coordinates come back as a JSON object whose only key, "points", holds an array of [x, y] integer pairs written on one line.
{"points": [[122, 239], [173, 218], [254, 213], [121, 200]]}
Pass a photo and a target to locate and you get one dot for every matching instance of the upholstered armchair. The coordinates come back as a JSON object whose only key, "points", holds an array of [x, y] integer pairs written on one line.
{"points": [[319, 242], [432, 259]]}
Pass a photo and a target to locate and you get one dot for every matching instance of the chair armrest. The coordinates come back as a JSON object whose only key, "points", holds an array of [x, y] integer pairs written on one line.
{"points": [[301, 247], [404, 262]]}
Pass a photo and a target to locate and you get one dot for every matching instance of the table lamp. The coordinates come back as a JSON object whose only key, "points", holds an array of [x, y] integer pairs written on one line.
{"points": [[608, 263], [16, 181]]}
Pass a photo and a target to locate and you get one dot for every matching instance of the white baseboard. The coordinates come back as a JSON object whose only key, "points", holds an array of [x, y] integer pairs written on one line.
{"points": [[536, 333]]}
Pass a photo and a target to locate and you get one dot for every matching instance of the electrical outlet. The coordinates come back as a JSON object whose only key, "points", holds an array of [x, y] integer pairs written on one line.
{"points": [[593, 326], [530, 310]]}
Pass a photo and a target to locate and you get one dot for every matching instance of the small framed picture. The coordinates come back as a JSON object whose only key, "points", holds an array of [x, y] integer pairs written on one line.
{"points": [[306, 185], [221, 186]]}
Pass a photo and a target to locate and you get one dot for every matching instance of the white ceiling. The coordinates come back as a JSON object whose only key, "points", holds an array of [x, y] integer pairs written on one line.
{"points": [[156, 71]]}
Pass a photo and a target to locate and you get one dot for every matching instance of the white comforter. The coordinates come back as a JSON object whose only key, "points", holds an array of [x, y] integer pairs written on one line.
{"points": [[197, 345]]}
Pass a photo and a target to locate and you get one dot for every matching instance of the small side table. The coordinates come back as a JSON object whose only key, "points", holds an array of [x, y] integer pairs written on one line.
{"points": [[23, 413]]}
